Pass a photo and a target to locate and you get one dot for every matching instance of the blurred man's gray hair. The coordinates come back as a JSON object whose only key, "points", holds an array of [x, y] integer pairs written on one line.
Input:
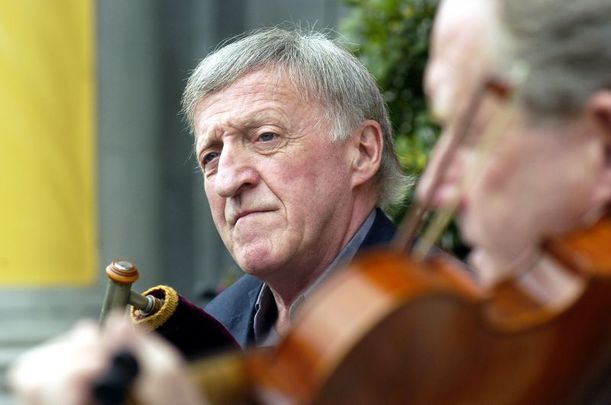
{"points": [[566, 47], [323, 72]]}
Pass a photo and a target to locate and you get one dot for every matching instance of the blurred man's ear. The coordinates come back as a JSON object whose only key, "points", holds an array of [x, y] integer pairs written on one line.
{"points": [[599, 109], [368, 144]]}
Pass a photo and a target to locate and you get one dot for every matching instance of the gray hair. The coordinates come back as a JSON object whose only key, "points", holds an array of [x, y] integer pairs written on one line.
{"points": [[324, 71], [566, 46]]}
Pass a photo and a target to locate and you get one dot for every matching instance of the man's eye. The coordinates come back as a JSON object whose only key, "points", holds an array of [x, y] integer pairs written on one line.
{"points": [[267, 137], [208, 158]]}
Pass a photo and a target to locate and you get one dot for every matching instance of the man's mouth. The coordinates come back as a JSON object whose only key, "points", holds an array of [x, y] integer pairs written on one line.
{"points": [[248, 213]]}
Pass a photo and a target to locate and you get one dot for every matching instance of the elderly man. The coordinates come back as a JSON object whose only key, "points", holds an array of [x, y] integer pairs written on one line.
{"points": [[296, 150]]}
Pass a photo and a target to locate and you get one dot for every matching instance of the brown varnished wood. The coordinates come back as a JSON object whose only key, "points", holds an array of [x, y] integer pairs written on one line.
{"points": [[585, 251], [389, 330]]}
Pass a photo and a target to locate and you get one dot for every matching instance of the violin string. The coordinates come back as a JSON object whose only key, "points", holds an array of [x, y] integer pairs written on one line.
{"points": [[420, 207], [442, 217]]}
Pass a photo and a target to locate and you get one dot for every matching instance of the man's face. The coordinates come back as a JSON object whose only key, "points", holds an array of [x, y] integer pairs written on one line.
{"points": [[278, 187], [531, 182]]}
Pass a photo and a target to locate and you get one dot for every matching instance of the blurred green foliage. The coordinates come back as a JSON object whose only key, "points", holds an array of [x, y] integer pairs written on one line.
{"points": [[391, 37]]}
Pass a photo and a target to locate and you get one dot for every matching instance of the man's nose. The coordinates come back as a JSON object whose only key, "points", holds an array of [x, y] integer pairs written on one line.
{"points": [[441, 184], [235, 172]]}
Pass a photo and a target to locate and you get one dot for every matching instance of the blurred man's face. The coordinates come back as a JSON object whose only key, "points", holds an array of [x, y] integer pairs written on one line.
{"points": [[279, 189], [532, 180]]}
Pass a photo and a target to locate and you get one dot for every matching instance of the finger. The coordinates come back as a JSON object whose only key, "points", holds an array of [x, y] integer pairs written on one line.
{"points": [[59, 370]]}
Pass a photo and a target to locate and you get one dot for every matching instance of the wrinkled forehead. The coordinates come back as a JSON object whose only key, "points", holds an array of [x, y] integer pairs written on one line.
{"points": [[270, 81], [461, 51], [256, 99], [275, 76], [463, 27], [464, 11]]}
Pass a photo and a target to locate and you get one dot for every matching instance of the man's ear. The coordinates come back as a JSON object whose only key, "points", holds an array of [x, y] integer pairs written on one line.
{"points": [[367, 143], [599, 109]]}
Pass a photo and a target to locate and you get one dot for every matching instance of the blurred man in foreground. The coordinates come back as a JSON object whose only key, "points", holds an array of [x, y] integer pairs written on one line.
{"points": [[548, 171], [535, 164]]}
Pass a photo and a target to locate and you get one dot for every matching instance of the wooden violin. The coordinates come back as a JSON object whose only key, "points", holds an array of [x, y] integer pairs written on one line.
{"points": [[391, 330]]}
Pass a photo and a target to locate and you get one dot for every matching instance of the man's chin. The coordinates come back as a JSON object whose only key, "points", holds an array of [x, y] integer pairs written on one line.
{"points": [[488, 270], [475, 260], [261, 267]]}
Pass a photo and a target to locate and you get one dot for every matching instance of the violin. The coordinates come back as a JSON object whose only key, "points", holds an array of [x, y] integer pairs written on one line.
{"points": [[388, 329], [391, 330]]}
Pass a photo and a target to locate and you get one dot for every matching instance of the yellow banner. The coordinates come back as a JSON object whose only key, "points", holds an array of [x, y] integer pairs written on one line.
{"points": [[47, 212]]}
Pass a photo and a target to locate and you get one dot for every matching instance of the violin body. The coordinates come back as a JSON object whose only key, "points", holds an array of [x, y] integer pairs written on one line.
{"points": [[388, 330]]}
